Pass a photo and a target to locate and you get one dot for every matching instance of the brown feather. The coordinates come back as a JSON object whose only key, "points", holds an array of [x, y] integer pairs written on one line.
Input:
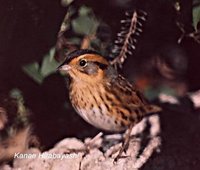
{"points": [[104, 98]]}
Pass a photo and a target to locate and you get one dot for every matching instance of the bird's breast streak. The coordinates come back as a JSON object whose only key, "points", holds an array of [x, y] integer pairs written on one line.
{"points": [[93, 110]]}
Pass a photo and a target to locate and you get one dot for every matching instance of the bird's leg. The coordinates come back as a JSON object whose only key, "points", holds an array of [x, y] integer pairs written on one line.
{"points": [[125, 142]]}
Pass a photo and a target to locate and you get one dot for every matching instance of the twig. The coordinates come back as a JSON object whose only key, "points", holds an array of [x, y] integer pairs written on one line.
{"points": [[122, 55], [154, 143], [92, 143], [148, 151], [180, 26], [62, 42], [126, 40], [86, 41], [194, 35]]}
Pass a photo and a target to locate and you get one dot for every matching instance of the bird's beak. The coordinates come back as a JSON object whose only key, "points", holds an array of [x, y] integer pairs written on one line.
{"points": [[64, 67]]}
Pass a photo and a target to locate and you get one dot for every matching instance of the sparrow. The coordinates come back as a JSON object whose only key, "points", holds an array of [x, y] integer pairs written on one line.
{"points": [[101, 96]]}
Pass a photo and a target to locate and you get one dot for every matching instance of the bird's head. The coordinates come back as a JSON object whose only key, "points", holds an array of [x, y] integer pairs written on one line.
{"points": [[86, 66]]}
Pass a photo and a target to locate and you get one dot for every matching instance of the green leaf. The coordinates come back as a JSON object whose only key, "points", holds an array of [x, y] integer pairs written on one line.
{"points": [[16, 93], [33, 71], [196, 16], [85, 25], [96, 43], [151, 93], [66, 2], [49, 64], [75, 40], [84, 10]]}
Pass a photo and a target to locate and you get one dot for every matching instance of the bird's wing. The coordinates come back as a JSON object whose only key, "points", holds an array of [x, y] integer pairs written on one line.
{"points": [[127, 92], [130, 96]]}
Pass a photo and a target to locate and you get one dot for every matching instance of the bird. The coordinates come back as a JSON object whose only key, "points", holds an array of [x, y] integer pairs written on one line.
{"points": [[100, 95]]}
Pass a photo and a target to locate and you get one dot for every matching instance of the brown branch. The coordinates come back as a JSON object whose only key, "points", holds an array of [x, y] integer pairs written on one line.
{"points": [[62, 42], [125, 38], [85, 44], [121, 57]]}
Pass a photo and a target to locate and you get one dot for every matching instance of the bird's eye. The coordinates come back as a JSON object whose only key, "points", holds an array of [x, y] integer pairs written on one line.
{"points": [[83, 63]]}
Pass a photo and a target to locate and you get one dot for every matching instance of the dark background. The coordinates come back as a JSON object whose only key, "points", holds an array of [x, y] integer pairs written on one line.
{"points": [[28, 29]]}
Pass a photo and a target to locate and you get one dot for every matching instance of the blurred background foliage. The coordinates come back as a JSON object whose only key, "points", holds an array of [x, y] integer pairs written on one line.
{"points": [[84, 29], [166, 57], [196, 14], [39, 72]]}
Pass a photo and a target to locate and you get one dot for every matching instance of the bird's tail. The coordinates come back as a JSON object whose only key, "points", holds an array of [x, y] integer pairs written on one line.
{"points": [[152, 109]]}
